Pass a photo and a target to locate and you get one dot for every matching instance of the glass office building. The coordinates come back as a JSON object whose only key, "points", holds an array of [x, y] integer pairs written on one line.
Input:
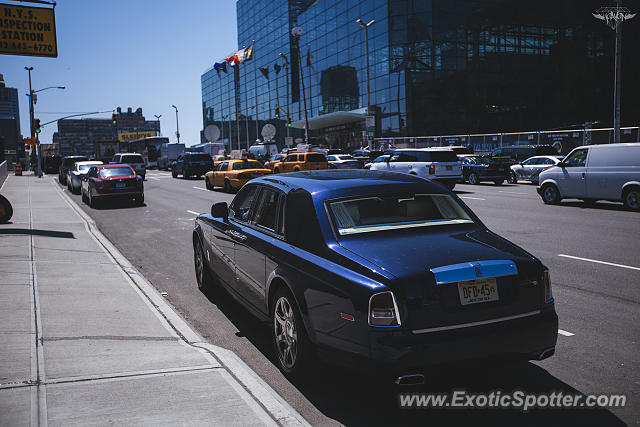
{"points": [[436, 67]]}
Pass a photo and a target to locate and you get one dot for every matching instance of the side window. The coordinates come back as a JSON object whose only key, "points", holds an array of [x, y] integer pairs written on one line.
{"points": [[290, 158], [223, 166], [115, 159], [240, 208], [403, 157], [577, 158], [530, 162], [266, 212]]}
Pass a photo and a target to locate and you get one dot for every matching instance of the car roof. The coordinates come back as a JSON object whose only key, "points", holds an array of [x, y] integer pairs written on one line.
{"points": [[425, 149], [91, 162], [331, 183], [117, 165]]}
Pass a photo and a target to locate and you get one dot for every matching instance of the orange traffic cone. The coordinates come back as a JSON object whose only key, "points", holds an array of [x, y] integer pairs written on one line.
{"points": [[18, 169]]}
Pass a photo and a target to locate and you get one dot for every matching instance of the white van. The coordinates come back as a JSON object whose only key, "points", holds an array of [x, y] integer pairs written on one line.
{"points": [[264, 150], [595, 172]]}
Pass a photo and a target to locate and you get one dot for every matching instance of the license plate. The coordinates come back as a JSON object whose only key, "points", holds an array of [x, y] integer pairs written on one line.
{"points": [[500, 169], [449, 168], [477, 291], [120, 185]]}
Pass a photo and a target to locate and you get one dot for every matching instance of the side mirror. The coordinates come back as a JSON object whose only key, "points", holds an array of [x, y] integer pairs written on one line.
{"points": [[562, 165], [220, 210]]}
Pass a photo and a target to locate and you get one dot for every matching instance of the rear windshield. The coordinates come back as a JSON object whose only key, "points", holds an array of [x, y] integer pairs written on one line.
{"points": [[107, 172], [200, 157], [70, 162], [84, 168], [132, 158], [345, 157], [424, 156], [246, 165], [377, 213], [316, 158]]}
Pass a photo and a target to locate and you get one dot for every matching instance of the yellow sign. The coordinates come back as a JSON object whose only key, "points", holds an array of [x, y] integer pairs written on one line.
{"points": [[29, 31], [132, 136]]}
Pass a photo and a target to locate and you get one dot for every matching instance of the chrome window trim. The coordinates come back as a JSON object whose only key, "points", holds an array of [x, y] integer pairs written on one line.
{"points": [[479, 323]]}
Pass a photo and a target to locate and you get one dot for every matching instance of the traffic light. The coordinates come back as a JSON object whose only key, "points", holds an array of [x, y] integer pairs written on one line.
{"points": [[288, 121], [113, 119], [36, 125], [277, 111]]}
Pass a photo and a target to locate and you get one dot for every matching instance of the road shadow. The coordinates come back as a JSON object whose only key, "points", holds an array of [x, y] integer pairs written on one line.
{"points": [[354, 398], [105, 205], [37, 232], [607, 206]]}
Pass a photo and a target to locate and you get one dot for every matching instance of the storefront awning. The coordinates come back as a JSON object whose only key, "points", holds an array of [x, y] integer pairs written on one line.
{"points": [[333, 119]]}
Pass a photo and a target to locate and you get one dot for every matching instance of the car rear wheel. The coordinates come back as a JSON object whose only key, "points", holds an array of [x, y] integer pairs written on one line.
{"points": [[498, 181], [550, 194], [92, 201], [227, 186], [473, 179], [139, 200], [631, 199], [513, 179], [173, 173], [207, 183], [276, 170], [6, 210], [185, 175], [292, 347], [203, 275], [450, 185]]}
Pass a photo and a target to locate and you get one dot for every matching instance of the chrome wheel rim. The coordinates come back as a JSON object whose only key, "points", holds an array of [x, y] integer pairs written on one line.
{"points": [[199, 264], [549, 194], [473, 179], [286, 335], [633, 199]]}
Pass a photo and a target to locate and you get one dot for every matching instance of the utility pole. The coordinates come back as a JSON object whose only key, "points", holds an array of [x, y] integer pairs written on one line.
{"points": [[177, 126], [33, 134], [157, 116]]}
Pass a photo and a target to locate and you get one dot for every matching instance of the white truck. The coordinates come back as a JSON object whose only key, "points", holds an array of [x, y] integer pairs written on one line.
{"points": [[169, 153]]}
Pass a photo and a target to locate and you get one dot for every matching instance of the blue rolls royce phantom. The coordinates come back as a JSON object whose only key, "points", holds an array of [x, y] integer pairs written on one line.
{"points": [[374, 269]]}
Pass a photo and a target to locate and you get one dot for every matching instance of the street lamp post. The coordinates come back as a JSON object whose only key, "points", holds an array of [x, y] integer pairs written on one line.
{"points": [[30, 95], [177, 125], [286, 72], [297, 32], [157, 116], [366, 44]]}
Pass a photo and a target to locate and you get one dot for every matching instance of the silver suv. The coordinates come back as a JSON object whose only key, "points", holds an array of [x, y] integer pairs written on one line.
{"points": [[438, 164], [135, 160]]}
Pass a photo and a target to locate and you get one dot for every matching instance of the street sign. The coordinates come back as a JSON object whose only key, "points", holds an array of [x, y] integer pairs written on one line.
{"points": [[212, 133], [28, 31], [371, 121], [288, 141], [268, 131]]}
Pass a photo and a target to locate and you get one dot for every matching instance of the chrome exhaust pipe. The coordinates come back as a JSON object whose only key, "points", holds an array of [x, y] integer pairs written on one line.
{"points": [[412, 379]]}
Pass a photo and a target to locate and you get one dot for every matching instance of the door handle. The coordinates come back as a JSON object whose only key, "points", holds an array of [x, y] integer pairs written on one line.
{"points": [[237, 235], [582, 175]]}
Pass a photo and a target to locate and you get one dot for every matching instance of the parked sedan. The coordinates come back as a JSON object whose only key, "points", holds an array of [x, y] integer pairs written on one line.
{"points": [[112, 181], [67, 163], [77, 173], [476, 169], [380, 159], [342, 161], [377, 270], [530, 169], [274, 160]]}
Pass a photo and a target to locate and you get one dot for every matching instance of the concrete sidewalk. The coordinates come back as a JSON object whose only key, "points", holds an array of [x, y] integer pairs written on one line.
{"points": [[86, 340]]}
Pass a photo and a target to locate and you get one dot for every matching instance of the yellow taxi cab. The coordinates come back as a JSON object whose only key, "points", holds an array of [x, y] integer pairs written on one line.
{"points": [[274, 160], [233, 174], [219, 158], [301, 162]]}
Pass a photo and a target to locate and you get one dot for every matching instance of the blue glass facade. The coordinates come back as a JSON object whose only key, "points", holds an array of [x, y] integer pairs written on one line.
{"points": [[436, 67]]}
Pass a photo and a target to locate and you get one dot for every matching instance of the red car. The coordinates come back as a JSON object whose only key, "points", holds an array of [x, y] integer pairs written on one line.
{"points": [[109, 181]]}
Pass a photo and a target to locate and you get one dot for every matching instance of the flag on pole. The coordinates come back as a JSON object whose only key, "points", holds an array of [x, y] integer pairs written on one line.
{"points": [[232, 60], [264, 71], [277, 68], [220, 66]]}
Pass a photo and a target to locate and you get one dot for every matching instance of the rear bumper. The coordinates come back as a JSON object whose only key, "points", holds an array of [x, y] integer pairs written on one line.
{"points": [[402, 352], [126, 193], [446, 179]]}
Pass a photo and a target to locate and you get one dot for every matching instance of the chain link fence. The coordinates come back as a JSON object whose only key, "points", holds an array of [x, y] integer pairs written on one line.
{"points": [[563, 140]]}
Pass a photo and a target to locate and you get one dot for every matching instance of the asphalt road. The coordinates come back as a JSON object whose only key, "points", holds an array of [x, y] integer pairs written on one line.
{"points": [[597, 303]]}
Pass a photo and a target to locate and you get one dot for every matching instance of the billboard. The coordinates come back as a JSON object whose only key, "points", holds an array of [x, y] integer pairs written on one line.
{"points": [[132, 136], [29, 31]]}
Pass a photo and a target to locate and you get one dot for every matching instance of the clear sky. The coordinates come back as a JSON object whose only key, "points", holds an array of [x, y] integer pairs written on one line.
{"points": [[127, 53]]}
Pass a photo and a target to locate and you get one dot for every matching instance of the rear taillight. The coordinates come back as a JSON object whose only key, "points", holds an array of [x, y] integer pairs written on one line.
{"points": [[383, 310], [546, 282], [432, 169]]}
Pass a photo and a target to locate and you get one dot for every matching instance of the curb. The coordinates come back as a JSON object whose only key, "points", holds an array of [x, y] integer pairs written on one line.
{"points": [[268, 398]]}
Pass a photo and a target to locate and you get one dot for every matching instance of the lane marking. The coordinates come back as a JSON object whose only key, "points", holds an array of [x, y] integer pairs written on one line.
{"points": [[151, 177], [194, 213], [599, 262], [200, 188], [565, 333], [513, 192], [472, 198]]}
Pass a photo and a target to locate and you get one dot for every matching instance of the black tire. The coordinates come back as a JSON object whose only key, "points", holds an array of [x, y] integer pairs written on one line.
{"points": [[498, 181], [473, 178], [450, 185], [69, 186], [139, 201], [631, 199], [292, 347], [173, 173], [207, 184], [184, 174], [550, 194], [276, 170], [227, 186], [93, 203], [84, 198], [513, 179], [6, 210], [204, 278]]}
